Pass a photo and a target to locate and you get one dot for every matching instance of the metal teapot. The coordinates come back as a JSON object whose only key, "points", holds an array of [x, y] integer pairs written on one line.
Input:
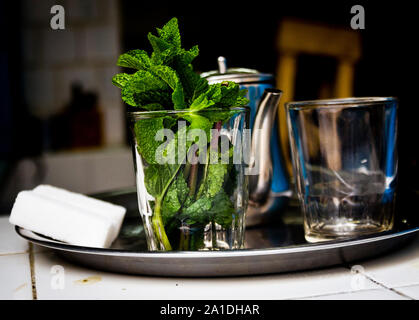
{"points": [[269, 189]]}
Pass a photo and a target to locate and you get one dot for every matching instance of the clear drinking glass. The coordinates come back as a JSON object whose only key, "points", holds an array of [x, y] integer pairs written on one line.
{"points": [[191, 187], [345, 165]]}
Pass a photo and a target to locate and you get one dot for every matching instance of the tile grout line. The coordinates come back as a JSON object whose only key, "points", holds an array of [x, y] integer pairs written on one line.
{"points": [[385, 287], [331, 293], [407, 285], [13, 253], [32, 268]]}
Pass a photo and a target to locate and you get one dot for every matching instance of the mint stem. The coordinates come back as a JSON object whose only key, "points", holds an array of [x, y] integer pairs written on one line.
{"points": [[158, 225], [193, 177], [187, 170], [213, 146], [184, 239], [214, 140], [157, 220], [214, 235]]}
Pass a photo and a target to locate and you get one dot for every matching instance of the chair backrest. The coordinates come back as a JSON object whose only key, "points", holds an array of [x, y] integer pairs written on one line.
{"points": [[297, 37]]}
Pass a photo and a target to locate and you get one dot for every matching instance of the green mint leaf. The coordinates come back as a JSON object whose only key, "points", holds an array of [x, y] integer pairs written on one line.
{"points": [[136, 59], [152, 106], [159, 179], [229, 93], [159, 46], [156, 178], [175, 197], [222, 209], [241, 99], [214, 180], [169, 76], [145, 132], [197, 212], [202, 102], [168, 52], [220, 114], [144, 88], [187, 56], [180, 60], [121, 79], [221, 95], [219, 209], [207, 99], [170, 33], [169, 122], [193, 84], [198, 121]]}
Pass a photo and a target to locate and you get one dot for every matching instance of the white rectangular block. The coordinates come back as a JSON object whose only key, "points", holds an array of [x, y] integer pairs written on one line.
{"points": [[105, 209], [66, 223]]}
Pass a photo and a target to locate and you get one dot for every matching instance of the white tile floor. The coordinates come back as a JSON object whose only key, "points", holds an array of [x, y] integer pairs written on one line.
{"points": [[375, 294], [106, 285], [398, 269], [15, 277], [410, 291], [392, 277], [9, 242]]}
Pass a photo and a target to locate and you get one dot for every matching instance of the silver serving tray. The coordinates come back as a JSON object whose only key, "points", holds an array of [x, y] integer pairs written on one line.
{"points": [[278, 246]]}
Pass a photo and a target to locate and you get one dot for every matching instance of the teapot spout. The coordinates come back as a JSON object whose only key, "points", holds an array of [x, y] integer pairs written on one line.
{"points": [[261, 164]]}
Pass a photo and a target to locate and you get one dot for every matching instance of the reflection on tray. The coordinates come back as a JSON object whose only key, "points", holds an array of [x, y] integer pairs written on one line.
{"points": [[284, 230]]}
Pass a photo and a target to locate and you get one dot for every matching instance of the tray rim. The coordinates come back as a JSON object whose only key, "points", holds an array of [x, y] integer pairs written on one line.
{"points": [[309, 247]]}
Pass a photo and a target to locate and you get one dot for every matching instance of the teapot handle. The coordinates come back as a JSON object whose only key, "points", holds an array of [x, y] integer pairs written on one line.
{"points": [[260, 161]]}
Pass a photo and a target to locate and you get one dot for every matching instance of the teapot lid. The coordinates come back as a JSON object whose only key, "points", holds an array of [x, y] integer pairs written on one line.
{"points": [[238, 75]]}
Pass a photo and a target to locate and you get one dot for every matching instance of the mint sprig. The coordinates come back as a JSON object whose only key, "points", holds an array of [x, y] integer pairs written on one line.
{"points": [[168, 72], [184, 193]]}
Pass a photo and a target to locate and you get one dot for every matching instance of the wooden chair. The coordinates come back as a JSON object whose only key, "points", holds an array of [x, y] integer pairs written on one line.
{"points": [[297, 37]]}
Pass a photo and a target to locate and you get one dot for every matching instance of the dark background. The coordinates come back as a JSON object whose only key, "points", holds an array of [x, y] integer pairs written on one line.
{"points": [[245, 33]]}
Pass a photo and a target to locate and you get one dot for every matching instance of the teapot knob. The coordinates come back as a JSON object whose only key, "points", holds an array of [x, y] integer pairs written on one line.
{"points": [[222, 65]]}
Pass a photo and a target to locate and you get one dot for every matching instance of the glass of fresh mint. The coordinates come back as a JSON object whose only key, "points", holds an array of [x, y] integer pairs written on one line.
{"points": [[190, 146]]}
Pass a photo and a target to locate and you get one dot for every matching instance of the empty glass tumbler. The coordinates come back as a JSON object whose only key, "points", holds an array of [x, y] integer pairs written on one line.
{"points": [[345, 165]]}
